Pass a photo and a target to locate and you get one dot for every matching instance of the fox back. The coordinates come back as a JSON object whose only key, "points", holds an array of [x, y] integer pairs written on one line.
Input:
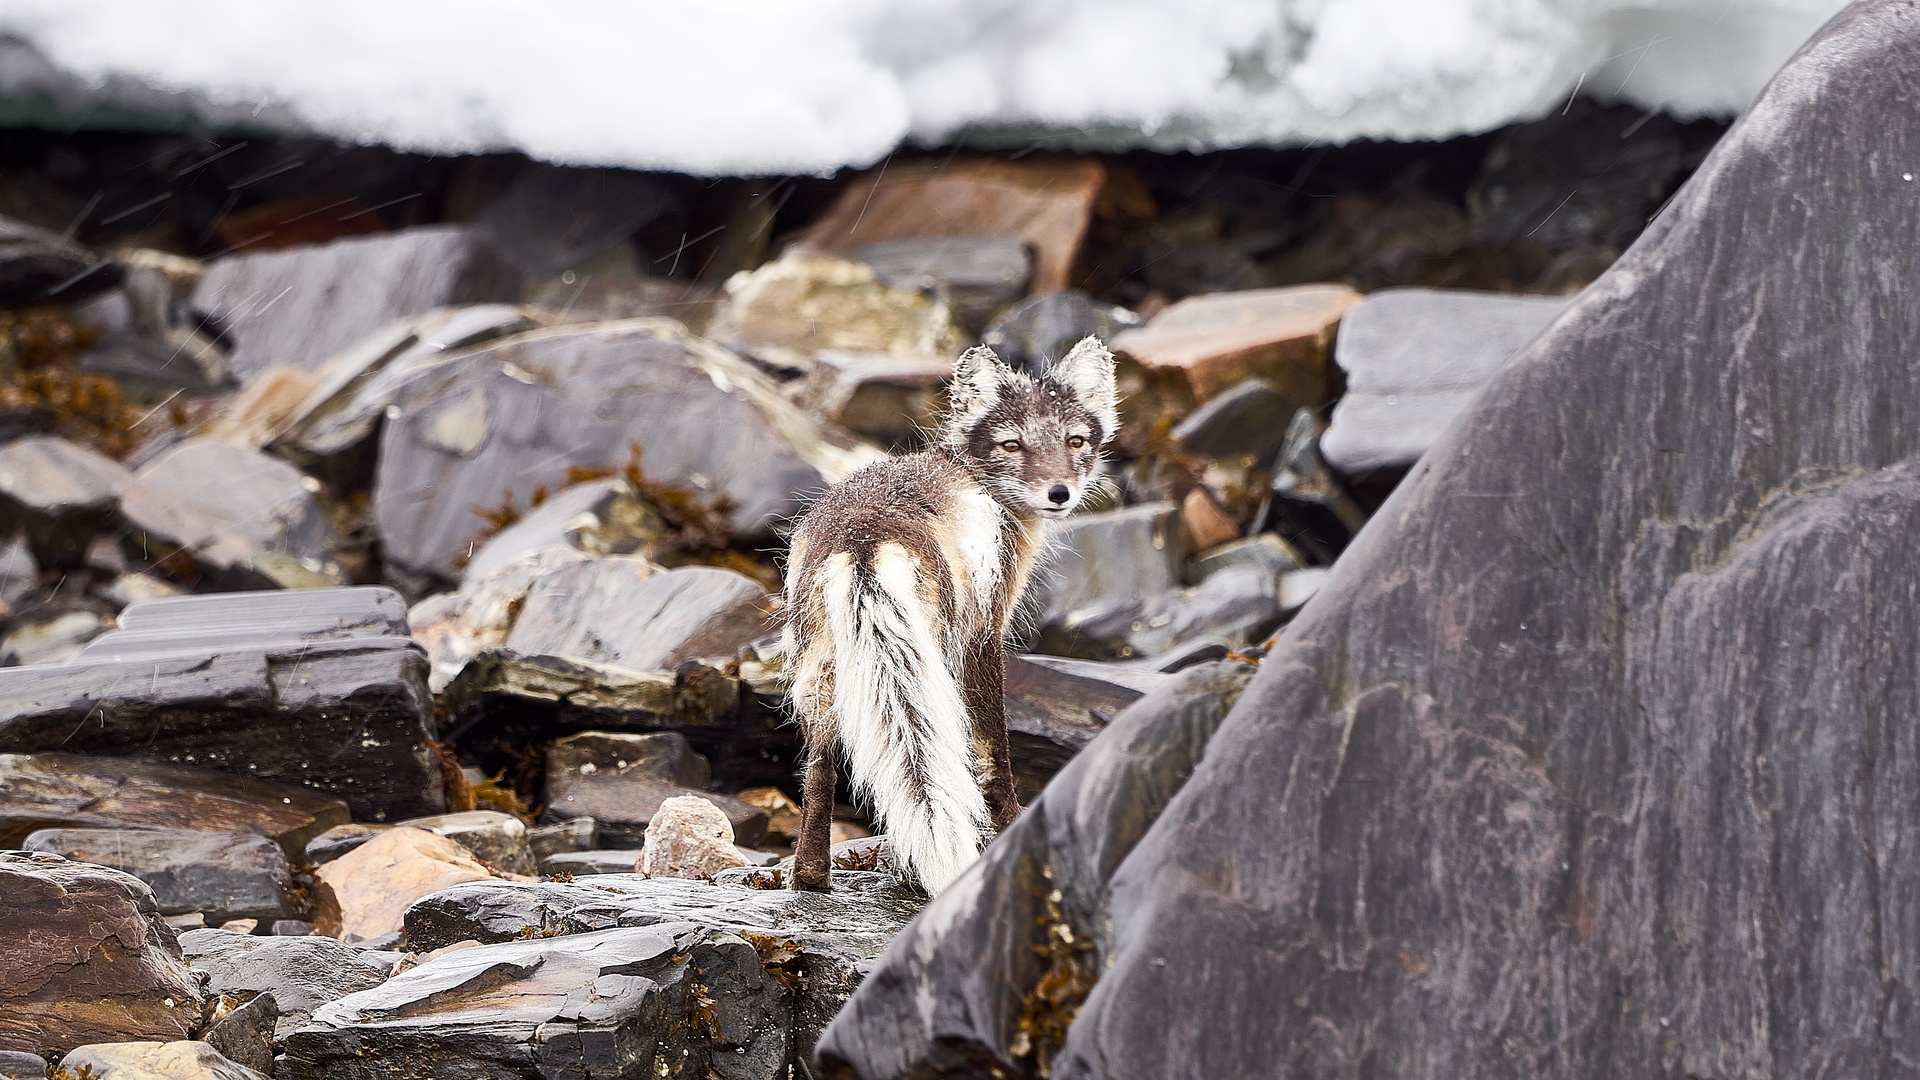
{"points": [[902, 581]]}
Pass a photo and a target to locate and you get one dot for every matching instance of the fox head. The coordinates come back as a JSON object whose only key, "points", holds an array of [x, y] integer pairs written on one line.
{"points": [[1034, 444]]}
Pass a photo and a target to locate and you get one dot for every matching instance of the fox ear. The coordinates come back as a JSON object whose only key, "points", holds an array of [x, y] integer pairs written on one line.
{"points": [[1088, 371], [975, 388]]}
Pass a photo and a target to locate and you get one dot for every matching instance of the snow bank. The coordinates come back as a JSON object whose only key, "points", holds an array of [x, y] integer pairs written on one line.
{"points": [[744, 86]]}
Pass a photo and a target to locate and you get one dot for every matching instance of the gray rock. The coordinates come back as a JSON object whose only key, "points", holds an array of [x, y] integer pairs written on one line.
{"points": [[222, 875], [517, 414], [1248, 421], [1115, 554], [643, 1001], [1309, 506], [621, 806], [87, 959], [1595, 720], [628, 612], [1266, 551], [57, 790], [242, 1029], [302, 973], [1053, 713], [20, 1065], [979, 274], [567, 838], [242, 519], [61, 495], [497, 839], [300, 305], [656, 755], [39, 266], [311, 687], [1235, 606], [1415, 359], [551, 218], [180, 1060], [1031, 335]]}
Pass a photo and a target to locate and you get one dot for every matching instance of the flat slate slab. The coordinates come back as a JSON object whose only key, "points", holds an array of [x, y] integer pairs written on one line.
{"points": [[314, 688]]}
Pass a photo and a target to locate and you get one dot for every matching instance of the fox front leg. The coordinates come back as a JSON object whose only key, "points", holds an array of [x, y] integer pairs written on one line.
{"points": [[813, 857], [985, 684]]}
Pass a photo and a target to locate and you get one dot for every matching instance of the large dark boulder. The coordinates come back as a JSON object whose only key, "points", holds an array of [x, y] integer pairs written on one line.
{"points": [[1596, 756]]}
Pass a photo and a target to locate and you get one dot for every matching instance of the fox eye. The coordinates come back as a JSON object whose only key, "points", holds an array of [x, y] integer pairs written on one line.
{"points": [[1011, 446], [1076, 441]]}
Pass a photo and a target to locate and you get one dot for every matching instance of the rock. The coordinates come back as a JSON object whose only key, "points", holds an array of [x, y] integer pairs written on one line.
{"points": [[496, 839], [1588, 706], [60, 494], [893, 400], [552, 218], [301, 973], [688, 837], [39, 266], [518, 413], [1053, 713], [1199, 348], [182, 1060], [1250, 420], [628, 612], [317, 687], [239, 518], [1048, 205], [298, 306], [53, 790], [88, 959], [20, 1065], [645, 1001], [335, 426], [567, 838], [653, 755], [1034, 333], [241, 1029], [49, 636], [802, 304], [1415, 359], [1266, 551], [978, 274], [621, 806], [783, 814], [376, 881], [1110, 554], [1236, 606], [223, 875], [1309, 506]]}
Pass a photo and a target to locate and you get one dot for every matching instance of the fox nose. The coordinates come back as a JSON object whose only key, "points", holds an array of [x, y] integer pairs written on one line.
{"points": [[1059, 493]]}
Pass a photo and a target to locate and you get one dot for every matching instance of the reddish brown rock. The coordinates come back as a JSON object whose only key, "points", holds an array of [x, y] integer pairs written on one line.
{"points": [[87, 959]]}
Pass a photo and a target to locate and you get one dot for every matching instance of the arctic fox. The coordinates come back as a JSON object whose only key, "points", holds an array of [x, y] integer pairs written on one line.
{"points": [[901, 583]]}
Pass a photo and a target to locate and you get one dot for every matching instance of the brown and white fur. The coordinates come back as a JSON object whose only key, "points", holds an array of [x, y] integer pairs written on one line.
{"points": [[902, 581]]}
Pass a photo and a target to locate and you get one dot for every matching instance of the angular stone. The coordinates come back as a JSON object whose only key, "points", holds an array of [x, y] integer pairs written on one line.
{"points": [[1053, 713], [376, 881], [181, 1060], [308, 687], [54, 790], [1415, 359], [654, 755], [39, 266], [1596, 718], [497, 839], [1236, 606], [517, 414], [240, 518], [1202, 346], [688, 837], [1111, 554], [645, 1001], [1250, 420], [223, 875], [628, 612], [60, 494], [979, 274], [892, 400], [241, 1028], [1034, 333], [551, 218], [298, 306], [302, 973], [802, 304], [622, 805], [1048, 205], [88, 959]]}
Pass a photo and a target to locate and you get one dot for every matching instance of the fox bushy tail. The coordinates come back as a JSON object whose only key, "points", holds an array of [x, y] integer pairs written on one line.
{"points": [[902, 717]]}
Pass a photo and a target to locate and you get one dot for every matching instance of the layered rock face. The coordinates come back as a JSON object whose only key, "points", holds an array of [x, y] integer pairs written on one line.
{"points": [[1594, 755]]}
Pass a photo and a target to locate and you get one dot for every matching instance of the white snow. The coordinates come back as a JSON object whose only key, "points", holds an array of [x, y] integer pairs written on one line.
{"points": [[744, 86]]}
